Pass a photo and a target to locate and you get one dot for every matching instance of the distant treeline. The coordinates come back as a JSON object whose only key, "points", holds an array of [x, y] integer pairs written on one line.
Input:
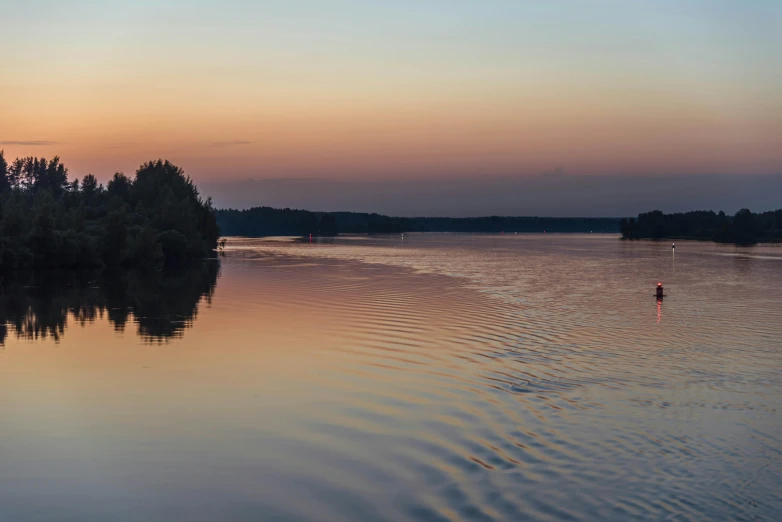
{"points": [[156, 218], [744, 228], [266, 221]]}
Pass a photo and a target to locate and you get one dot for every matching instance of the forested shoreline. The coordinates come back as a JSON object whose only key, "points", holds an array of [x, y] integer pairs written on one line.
{"points": [[267, 221], [743, 228], [155, 219]]}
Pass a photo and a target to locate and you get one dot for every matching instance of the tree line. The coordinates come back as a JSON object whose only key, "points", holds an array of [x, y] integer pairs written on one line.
{"points": [[267, 221], [743, 228], [156, 218]]}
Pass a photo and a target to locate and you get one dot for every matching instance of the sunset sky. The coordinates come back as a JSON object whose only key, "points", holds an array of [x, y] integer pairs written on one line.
{"points": [[404, 89]]}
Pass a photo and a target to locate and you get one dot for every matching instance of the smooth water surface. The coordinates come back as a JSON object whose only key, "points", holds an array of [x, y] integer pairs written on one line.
{"points": [[431, 377]]}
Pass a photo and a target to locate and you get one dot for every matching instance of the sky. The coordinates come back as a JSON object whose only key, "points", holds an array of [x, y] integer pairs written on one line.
{"points": [[409, 93]]}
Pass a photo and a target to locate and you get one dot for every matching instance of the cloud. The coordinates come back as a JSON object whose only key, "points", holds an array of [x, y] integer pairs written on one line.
{"points": [[30, 143], [229, 143]]}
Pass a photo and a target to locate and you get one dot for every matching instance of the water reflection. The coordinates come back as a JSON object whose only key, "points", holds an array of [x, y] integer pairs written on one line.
{"points": [[37, 305], [458, 378]]}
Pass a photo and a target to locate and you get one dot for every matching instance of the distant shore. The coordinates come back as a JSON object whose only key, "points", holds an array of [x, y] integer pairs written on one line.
{"points": [[744, 228], [267, 221]]}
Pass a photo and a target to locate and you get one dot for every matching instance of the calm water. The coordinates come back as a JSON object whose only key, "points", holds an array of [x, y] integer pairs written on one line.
{"points": [[432, 378]]}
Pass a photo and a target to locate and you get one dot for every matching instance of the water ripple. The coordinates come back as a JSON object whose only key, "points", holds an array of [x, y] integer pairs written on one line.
{"points": [[444, 378], [614, 402]]}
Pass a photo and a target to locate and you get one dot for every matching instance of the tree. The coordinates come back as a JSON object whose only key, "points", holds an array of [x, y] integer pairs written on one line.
{"points": [[624, 228], [328, 225], [4, 182], [42, 238], [744, 228], [51, 175], [120, 186], [115, 237], [48, 221], [89, 186]]}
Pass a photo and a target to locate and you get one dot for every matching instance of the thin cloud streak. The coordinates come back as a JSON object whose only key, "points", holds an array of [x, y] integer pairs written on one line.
{"points": [[230, 143], [29, 143]]}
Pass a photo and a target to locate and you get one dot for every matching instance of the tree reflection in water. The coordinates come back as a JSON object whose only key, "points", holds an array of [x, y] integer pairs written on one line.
{"points": [[37, 305]]}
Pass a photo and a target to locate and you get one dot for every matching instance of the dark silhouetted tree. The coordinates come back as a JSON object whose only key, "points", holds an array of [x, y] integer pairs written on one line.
{"points": [[328, 225], [744, 228], [120, 186], [4, 182], [155, 218], [89, 186]]}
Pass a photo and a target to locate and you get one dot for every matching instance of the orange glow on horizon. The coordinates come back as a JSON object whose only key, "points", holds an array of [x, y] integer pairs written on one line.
{"points": [[362, 94]]}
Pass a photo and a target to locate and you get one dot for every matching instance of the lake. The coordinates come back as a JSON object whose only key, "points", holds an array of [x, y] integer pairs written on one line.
{"points": [[430, 377]]}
